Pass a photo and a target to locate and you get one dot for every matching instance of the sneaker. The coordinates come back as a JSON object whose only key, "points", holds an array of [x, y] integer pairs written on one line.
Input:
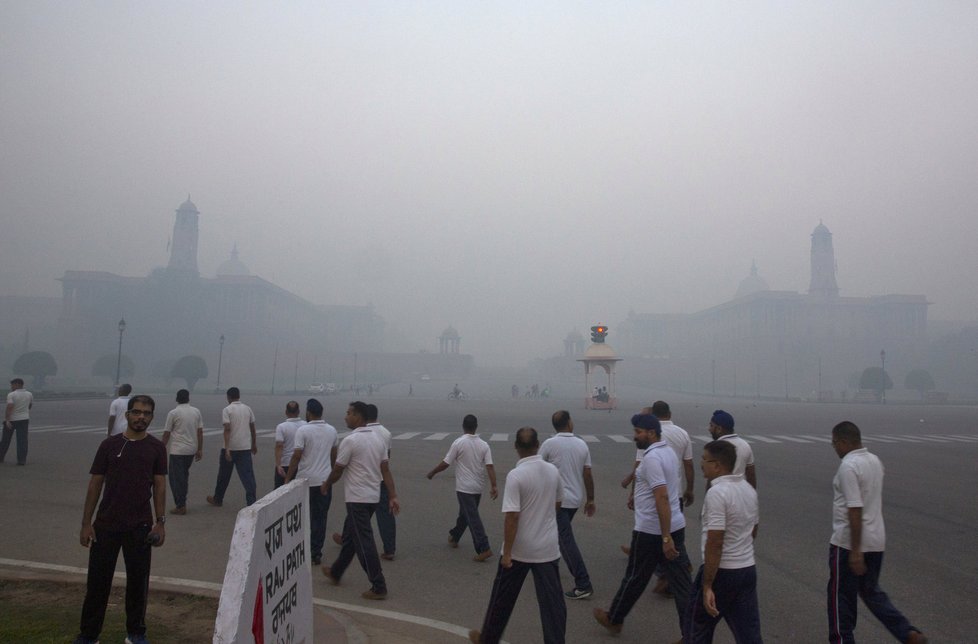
{"points": [[211, 501], [482, 556], [136, 639], [601, 615], [370, 594], [387, 556], [577, 593]]}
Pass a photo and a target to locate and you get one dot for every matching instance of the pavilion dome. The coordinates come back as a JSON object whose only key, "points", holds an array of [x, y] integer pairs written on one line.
{"points": [[450, 332], [232, 265], [753, 283]]}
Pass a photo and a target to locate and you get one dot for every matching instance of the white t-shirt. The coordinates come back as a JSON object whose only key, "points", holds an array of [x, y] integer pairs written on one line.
{"points": [[533, 489], [659, 466], [570, 455], [470, 454], [240, 417], [118, 408], [678, 439], [21, 399], [361, 454], [384, 434], [182, 422], [859, 484], [745, 455], [316, 440], [731, 505], [285, 434]]}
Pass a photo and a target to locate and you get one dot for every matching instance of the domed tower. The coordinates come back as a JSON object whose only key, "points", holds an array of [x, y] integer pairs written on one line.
{"points": [[753, 283], [449, 341], [183, 248], [823, 264]]}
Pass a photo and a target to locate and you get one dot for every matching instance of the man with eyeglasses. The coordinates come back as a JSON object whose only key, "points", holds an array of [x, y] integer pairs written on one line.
{"points": [[129, 474], [726, 585]]}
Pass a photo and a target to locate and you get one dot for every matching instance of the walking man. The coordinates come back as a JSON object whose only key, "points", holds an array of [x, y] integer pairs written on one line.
{"points": [[858, 542], [473, 463], [240, 444], [183, 434], [386, 523], [722, 429], [363, 456], [312, 459], [660, 528], [117, 410], [726, 585], [17, 416], [572, 458], [285, 441], [129, 474], [531, 498]]}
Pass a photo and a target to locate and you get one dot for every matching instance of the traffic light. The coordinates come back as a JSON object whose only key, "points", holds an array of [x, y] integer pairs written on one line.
{"points": [[598, 334]]}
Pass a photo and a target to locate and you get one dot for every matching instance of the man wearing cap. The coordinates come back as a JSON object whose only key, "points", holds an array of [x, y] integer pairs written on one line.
{"points": [[722, 429], [858, 541], [660, 528]]}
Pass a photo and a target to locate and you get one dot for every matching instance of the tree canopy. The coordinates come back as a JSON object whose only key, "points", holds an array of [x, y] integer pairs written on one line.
{"points": [[871, 378], [190, 369], [38, 364]]}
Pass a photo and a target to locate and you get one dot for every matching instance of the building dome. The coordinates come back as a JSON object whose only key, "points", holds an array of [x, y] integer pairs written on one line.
{"points": [[188, 206], [450, 332], [601, 351], [232, 265], [753, 283]]}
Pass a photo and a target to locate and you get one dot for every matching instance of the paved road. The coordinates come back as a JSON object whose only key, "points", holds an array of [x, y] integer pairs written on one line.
{"points": [[929, 452]]}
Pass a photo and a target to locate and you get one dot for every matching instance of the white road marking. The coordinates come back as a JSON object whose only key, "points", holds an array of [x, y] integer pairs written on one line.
{"points": [[621, 439], [764, 439], [589, 438], [499, 437], [436, 437], [405, 436], [793, 439]]}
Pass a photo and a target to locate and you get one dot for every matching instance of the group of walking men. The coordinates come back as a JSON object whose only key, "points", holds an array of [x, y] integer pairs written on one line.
{"points": [[542, 494]]}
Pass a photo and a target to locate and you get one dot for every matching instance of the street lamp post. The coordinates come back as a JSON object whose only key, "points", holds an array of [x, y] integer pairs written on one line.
{"points": [[220, 360], [118, 359], [882, 376]]}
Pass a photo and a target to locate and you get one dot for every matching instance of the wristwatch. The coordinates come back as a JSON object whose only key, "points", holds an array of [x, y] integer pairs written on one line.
{"points": [[161, 519], [666, 539]]}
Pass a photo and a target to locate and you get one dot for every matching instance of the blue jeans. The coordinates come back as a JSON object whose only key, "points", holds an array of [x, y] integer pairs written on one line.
{"points": [[180, 477], [20, 428], [468, 517], [240, 461], [506, 590], [645, 555], [735, 590], [568, 549], [843, 588], [358, 539], [386, 525], [318, 512]]}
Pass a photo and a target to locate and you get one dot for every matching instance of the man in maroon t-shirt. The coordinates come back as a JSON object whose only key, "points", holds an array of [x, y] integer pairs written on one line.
{"points": [[128, 472]]}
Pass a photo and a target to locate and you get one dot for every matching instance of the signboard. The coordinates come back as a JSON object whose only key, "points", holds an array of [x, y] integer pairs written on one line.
{"points": [[267, 592]]}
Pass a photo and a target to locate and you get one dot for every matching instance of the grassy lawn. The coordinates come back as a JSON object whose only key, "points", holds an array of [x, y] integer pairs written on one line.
{"points": [[48, 612]]}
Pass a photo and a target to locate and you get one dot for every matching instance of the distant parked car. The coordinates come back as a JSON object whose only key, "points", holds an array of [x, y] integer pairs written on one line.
{"points": [[331, 388], [318, 388], [425, 378]]}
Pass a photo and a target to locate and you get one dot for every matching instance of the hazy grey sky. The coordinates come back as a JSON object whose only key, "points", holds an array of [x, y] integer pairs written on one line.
{"points": [[514, 169]]}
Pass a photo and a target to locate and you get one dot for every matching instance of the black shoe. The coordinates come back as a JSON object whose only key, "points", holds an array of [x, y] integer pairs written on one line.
{"points": [[578, 593]]}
